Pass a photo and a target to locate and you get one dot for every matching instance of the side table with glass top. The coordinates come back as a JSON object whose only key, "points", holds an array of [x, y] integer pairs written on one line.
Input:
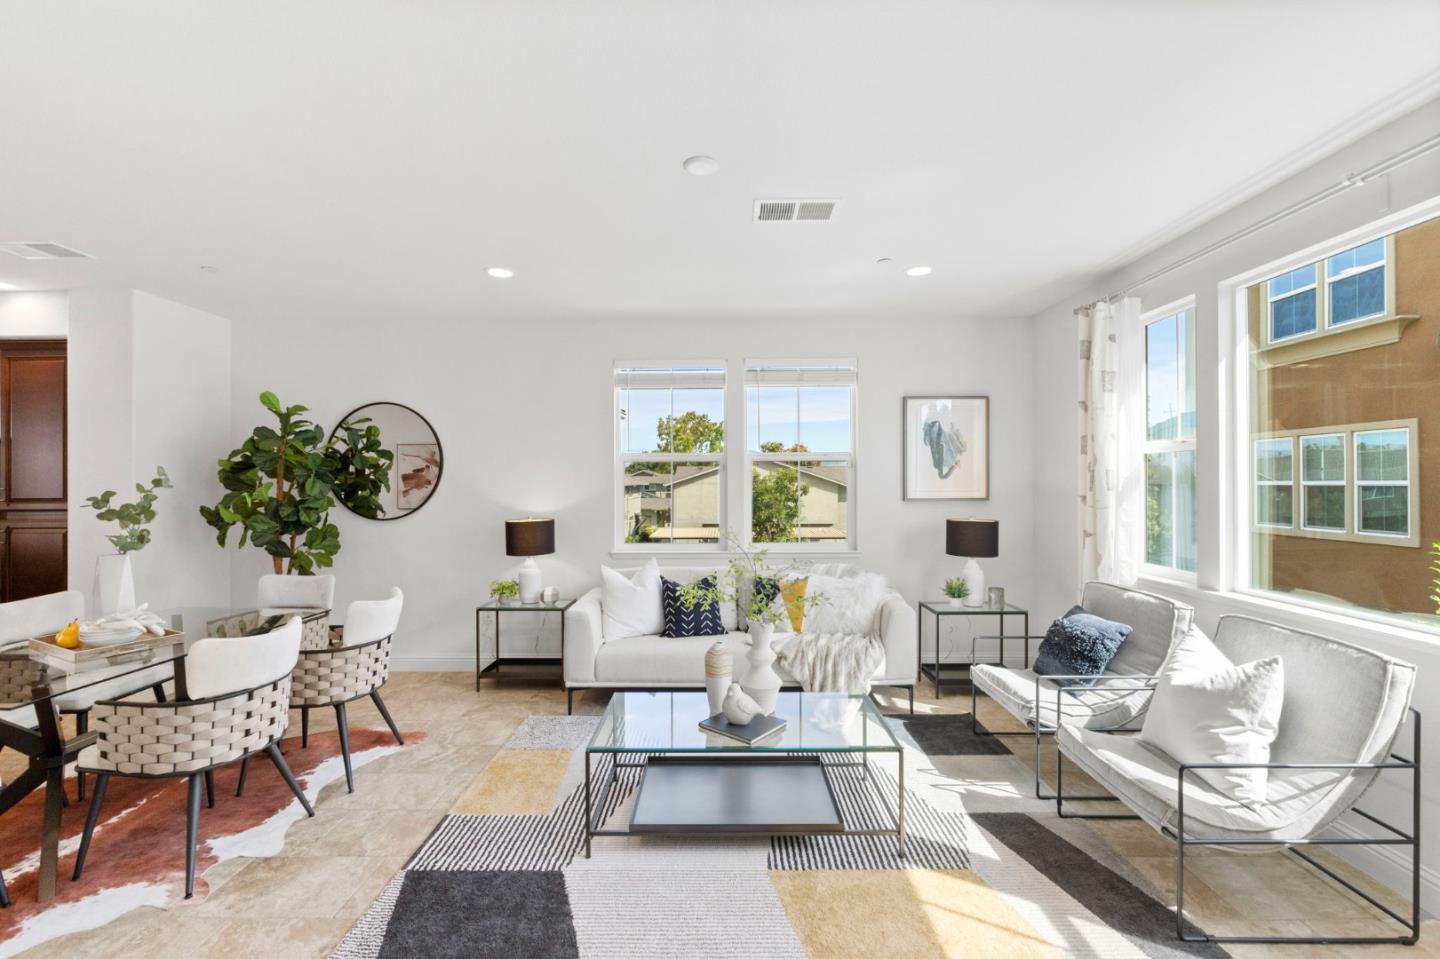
{"points": [[559, 606], [941, 608]]}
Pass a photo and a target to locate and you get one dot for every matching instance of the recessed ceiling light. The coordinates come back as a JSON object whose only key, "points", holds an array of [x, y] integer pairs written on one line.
{"points": [[8, 286], [701, 165], [918, 271], [500, 272]]}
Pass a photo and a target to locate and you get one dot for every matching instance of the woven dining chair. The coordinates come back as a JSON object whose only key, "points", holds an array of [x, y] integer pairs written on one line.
{"points": [[239, 706], [338, 675]]}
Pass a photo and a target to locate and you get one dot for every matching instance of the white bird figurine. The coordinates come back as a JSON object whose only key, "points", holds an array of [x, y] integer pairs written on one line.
{"points": [[738, 707]]}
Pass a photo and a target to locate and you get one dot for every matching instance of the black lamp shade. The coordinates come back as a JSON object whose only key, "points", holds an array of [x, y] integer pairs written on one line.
{"points": [[977, 538], [529, 537]]}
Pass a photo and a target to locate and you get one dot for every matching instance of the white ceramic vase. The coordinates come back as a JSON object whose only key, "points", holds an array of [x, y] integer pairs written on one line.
{"points": [[718, 668], [114, 590], [761, 682]]}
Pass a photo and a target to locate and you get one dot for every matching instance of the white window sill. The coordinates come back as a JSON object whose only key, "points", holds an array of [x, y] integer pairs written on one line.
{"points": [[1335, 622]]}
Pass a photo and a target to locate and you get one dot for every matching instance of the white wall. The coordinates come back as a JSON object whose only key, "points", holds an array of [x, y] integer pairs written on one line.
{"points": [[148, 384], [524, 415], [44, 315], [1057, 570]]}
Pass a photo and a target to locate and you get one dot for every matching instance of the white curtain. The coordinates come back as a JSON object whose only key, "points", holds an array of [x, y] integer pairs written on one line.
{"points": [[1110, 547]]}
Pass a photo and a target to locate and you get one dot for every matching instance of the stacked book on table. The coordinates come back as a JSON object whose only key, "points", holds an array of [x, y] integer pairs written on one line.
{"points": [[751, 733]]}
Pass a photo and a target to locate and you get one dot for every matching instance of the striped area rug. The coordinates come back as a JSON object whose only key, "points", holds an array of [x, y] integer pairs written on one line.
{"points": [[987, 871]]}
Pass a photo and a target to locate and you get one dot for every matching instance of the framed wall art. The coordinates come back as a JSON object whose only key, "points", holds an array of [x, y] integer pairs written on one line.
{"points": [[946, 453]]}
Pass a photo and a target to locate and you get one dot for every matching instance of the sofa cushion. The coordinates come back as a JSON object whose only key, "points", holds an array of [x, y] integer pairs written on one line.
{"points": [[1079, 644], [702, 619], [1299, 800], [1156, 623], [662, 661], [1103, 707], [847, 604], [630, 605], [1209, 710]]}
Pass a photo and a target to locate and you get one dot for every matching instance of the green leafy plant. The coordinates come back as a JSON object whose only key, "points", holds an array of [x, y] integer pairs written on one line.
{"points": [[363, 471], [1435, 568], [133, 518], [281, 483], [957, 588], [737, 584], [504, 588]]}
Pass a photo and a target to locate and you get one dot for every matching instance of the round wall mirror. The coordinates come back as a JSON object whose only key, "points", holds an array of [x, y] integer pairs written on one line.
{"points": [[418, 459]]}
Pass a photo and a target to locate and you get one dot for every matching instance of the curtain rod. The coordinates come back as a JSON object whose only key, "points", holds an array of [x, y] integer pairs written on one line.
{"points": [[1353, 180]]}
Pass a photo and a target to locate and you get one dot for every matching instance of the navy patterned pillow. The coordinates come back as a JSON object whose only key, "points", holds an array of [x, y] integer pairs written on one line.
{"points": [[702, 620], [1079, 644]]}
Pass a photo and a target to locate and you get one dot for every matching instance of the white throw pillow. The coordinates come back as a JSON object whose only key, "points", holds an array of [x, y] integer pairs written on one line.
{"points": [[631, 605], [1208, 710], [849, 605]]}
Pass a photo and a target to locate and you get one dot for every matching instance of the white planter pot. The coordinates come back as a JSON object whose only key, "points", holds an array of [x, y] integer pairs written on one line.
{"points": [[761, 682], [956, 602], [114, 589]]}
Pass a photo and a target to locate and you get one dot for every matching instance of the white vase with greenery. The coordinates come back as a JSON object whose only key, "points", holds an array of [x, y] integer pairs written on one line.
{"points": [[114, 587]]}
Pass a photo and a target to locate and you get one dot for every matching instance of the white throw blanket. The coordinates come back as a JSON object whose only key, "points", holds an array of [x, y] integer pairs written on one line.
{"points": [[830, 662]]}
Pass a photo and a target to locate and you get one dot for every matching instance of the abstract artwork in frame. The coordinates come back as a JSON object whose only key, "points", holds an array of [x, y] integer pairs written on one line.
{"points": [[946, 452], [417, 468]]}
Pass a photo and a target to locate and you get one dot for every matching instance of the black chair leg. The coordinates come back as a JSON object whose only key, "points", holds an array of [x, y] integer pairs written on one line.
{"points": [[192, 832], [244, 772], [304, 727], [91, 818], [4, 893], [385, 714], [159, 690], [82, 726], [210, 788], [279, 760], [344, 726]]}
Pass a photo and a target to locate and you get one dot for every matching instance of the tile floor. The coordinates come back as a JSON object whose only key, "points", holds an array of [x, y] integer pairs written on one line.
{"points": [[303, 901]]}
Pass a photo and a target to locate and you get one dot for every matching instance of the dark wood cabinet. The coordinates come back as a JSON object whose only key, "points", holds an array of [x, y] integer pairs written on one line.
{"points": [[33, 491]]}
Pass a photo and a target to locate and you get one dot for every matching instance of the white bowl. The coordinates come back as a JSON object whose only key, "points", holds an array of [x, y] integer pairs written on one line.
{"points": [[109, 636]]}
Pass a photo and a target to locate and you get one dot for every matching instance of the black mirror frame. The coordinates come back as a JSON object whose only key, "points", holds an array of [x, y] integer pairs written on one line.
{"points": [[438, 445]]}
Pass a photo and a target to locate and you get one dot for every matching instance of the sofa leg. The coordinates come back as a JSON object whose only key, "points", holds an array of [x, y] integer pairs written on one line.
{"points": [[569, 702], [911, 690]]}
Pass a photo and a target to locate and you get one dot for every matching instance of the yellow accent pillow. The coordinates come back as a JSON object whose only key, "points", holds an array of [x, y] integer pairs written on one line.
{"points": [[792, 595]]}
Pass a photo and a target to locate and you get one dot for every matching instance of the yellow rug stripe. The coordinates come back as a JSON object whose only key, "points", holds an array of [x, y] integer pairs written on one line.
{"points": [[516, 782], [909, 913]]}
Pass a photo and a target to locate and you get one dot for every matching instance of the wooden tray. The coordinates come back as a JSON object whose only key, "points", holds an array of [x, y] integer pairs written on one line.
{"points": [[85, 655]]}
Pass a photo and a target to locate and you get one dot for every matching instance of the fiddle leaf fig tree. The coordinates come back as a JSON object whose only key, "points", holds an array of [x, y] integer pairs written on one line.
{"points": [[281, 483]]}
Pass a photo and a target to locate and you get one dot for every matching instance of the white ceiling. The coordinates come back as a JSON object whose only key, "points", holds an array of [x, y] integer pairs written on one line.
{"points": [[368, 160]]}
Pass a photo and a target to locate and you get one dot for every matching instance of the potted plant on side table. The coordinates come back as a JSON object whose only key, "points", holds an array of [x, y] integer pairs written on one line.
{"points": [[957, 590], [505, 591], [114, 577]]}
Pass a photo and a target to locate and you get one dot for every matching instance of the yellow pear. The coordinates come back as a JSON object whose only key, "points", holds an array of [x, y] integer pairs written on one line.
{"points": [[69, 637]]}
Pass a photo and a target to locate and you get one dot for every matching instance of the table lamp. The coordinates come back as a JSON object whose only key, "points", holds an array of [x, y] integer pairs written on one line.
{"points": [[529, 537], [973, 539]]}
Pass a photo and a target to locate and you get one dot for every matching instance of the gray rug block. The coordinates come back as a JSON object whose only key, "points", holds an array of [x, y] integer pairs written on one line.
{"points": [[481, 915], [554, 732], [949, 735]]}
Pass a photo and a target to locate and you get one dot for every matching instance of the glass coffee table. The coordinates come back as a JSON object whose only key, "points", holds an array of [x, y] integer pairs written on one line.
{"points": [[698, 782]]}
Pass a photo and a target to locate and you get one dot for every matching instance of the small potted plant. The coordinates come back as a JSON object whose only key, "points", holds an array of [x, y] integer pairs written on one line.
{"points": [[505, 591], [957, 590]]}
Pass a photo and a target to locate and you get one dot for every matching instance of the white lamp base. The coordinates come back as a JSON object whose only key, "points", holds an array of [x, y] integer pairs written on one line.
{"points": [[529, 582], [973, 577]]}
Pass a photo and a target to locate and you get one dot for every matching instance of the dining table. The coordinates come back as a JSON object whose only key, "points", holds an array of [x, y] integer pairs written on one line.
{"points": [[32, 684]]}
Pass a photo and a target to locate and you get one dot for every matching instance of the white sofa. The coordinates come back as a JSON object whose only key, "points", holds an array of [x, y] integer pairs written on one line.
{"points": [[657, 662]]}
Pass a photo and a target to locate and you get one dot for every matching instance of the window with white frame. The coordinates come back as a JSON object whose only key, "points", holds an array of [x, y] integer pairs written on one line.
{"points": [[670, 454], [1349, 287], [800, 452], [1355, 482], [1169, 444]]}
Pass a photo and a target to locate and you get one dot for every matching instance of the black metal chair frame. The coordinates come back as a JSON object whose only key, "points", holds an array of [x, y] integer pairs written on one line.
{"points": [[192, 827], [342, 720], [1396, 837]]}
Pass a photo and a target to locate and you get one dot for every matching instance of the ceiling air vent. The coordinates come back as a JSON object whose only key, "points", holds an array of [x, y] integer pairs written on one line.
{"points": [[792, 211], [43, 251]]}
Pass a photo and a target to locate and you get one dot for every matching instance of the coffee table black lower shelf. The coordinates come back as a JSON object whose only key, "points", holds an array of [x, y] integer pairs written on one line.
{"points": [[756, 794]]}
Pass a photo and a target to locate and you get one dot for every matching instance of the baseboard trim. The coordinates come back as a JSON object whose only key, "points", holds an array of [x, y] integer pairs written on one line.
{"points": [[1389, 864], [432, 664]]}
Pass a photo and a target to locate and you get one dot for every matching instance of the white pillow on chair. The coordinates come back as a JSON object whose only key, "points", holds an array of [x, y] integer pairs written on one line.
{"points": [[1208, 710], [631, 605]]}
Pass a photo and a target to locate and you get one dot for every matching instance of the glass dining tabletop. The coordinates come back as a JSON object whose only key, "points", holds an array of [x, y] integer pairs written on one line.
{"points": [[29, 676], [668, 722]]}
